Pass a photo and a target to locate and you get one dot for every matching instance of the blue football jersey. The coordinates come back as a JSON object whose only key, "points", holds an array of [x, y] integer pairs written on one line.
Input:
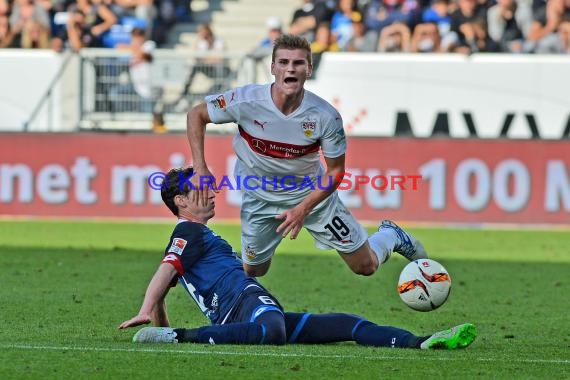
{"points": [[208, 268]]}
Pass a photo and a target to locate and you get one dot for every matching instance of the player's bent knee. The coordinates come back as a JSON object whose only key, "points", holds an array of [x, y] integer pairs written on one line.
{"points": [[256, 270], [363, 261], [365, 271], [274, 331], [366, 268], [275, 335]]}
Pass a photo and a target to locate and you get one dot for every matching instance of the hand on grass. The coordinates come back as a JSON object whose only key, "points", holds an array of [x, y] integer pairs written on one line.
{"points": [[136, 321]]}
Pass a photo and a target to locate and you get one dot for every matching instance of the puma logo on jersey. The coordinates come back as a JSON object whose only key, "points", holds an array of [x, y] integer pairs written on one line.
{"points": [[260, 123]]}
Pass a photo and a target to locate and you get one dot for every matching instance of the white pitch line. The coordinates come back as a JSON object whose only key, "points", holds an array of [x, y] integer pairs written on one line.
{"points": [[271, 354]]}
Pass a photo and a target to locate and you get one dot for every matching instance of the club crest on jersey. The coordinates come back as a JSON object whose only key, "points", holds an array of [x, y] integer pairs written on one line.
{"points": [[309, 128], [177, 246], [219, 102]]}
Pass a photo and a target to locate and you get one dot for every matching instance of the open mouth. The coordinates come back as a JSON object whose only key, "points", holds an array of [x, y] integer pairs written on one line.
{"points": [[290, 80]]}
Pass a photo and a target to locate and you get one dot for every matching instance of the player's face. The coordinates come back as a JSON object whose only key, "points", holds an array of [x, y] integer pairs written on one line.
{"points": [[188, 208], [291, 69], [207, 211]]}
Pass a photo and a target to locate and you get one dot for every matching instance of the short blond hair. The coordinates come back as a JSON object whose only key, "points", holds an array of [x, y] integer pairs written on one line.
{"points": [[291, 42]]}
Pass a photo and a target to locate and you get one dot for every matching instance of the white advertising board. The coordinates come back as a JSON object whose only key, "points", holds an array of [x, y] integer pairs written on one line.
{"points": [[25, 77], [481, 95]]}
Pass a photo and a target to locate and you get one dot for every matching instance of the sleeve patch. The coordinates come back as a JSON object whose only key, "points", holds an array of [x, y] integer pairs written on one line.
{"points": [[219, 102], [177, 246], [339, 136]]}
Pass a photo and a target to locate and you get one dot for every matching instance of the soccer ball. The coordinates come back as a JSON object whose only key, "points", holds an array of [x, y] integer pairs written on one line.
{"points": [[424, 285]]}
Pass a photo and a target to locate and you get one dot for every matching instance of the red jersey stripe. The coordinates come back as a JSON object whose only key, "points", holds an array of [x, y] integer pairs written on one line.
{"points": [[277, 149], [174, 260]]}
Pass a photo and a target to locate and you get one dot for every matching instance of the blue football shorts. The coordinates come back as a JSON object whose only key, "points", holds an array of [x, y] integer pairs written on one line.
{"points": [[252, 303]]}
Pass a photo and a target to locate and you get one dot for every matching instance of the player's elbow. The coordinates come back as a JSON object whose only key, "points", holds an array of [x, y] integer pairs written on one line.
{"points": [[198, 116]]}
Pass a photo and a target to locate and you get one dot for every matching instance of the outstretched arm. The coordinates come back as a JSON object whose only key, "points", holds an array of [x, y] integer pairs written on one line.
{"points": [[196, 122], [159, 315], [153, 309], [293, 219]]}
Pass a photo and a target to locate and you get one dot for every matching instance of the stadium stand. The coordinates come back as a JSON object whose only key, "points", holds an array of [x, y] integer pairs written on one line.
{"points": [[463, 26], [99, 82], [239, 23]]}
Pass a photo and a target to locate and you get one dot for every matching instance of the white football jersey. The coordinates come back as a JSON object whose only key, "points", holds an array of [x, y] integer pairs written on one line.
{"points": [[279, 152]]}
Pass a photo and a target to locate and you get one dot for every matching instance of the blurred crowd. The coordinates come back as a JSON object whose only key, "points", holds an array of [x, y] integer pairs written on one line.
{"points": [[74, 24], [435, 26]]}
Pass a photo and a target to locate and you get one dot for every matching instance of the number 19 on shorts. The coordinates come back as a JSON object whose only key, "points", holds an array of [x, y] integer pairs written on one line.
{"points": [[338, 228]]}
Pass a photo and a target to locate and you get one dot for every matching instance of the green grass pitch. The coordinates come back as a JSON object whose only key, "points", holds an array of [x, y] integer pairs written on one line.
{"points": [[66, 286]]}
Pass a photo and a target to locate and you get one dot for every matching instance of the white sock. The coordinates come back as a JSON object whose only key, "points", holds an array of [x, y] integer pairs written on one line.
{"points": [[382, 243]]}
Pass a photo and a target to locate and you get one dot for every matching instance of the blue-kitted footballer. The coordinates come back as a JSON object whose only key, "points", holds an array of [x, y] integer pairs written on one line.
{"points": [[240, 309]]}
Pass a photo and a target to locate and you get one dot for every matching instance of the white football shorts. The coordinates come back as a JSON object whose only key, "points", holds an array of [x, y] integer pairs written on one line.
{"points": [[330, 223]]}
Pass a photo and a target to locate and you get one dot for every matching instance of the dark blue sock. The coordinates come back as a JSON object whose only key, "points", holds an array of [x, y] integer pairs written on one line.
{"points": [[234, 333], [268, 328], [319, 328], [369, 334], [338, 327]]}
